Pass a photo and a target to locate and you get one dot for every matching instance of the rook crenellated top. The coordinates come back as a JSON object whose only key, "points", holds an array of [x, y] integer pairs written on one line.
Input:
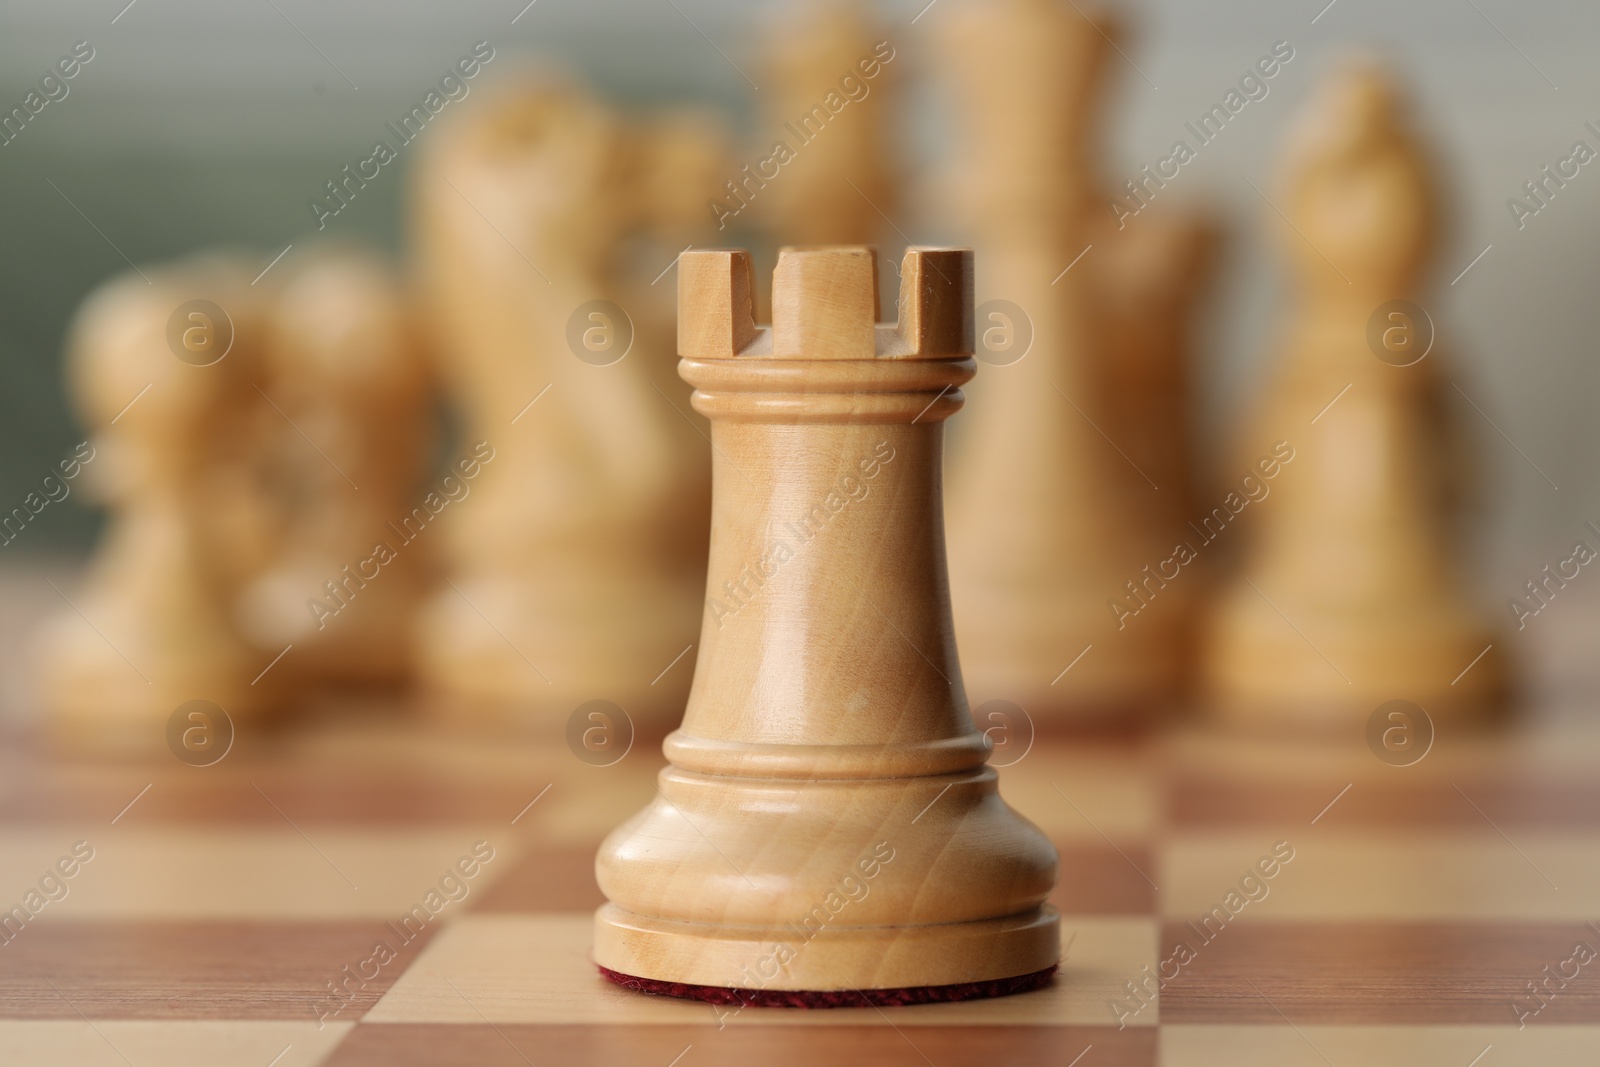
{"points": [[825, 306]]}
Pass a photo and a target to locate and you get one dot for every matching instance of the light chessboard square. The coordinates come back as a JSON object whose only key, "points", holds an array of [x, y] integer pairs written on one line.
{"points": [[526, 969]]}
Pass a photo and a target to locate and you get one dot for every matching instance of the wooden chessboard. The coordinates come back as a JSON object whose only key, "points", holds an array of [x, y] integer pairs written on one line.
{"points": [[220, 904]]}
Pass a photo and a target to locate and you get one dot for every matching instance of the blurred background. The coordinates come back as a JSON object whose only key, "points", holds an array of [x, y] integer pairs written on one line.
{"points": [[565, 600], [196, 125]]}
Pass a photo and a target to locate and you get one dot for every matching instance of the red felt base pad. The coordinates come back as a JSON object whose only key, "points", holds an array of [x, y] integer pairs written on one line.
{"points": [[834, 998]]}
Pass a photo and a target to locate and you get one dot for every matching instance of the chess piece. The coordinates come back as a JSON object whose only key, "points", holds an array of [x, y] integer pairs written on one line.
{"points": [[1350, 596], [826, 173], [1053, 520], [827, 832], [1152, 279], [161, 369], [348, 400], [686, 152], [677, 156], [573, 568]]}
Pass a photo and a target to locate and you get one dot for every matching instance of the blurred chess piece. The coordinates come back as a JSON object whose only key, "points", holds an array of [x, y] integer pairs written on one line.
{"points": [[574, 570], [160, 369], [684, 153], [1153, 278], [828, 174], [1157, 266], [347, 398], [1068, 483], [1350, 596]]}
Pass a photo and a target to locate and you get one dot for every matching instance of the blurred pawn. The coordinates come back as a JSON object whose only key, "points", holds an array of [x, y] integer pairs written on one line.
{"points": [[1350, 595], [161, 370], [346, 397]]}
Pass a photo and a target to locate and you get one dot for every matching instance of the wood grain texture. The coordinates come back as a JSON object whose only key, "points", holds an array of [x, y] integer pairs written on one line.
{"points": [[1377, 973], [827, 822], [1202, 800], [1103, 880], [906, 1046], [537, 967], [1399, 934], [192, 970], [1228, 1045], [554, 878], [171, 1043]]}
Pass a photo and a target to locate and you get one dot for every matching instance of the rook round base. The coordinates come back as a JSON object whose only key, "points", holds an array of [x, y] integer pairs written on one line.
{"points": [[833, 960]]}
